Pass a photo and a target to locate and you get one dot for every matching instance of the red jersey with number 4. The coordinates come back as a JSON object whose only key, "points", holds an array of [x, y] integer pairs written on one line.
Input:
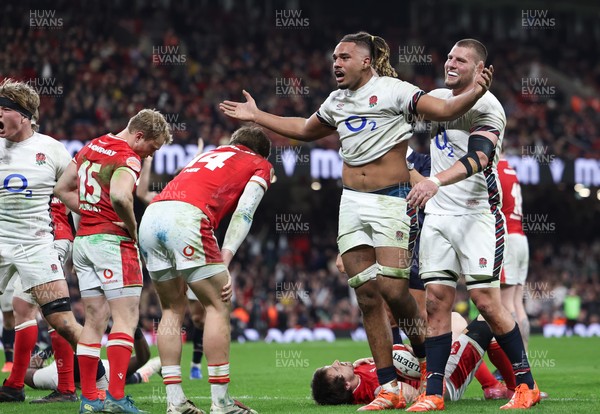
{"points": [[96, 164], [215, 180], [60, 221], [512, 202]]}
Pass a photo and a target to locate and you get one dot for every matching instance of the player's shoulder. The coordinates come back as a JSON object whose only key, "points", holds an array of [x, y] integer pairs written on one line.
{"points": [[47, 145], [441, 93], [47, 140], [389, 84], [388, 80], [490, 103]]}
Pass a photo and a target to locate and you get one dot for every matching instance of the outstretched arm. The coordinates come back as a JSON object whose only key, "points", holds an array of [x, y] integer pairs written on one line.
{"points": [[300, 129], [436, 109]]}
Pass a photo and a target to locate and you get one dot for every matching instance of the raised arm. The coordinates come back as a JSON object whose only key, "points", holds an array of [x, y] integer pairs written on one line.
{"points": [[301, 129], [436, 109]]}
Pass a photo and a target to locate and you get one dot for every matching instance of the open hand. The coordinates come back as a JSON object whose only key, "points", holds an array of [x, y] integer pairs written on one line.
{"points": [[244, 111], [484, 79]]}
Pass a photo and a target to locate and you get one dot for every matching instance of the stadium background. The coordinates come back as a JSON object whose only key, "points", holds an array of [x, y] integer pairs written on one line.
{"points": [[95, 64]]}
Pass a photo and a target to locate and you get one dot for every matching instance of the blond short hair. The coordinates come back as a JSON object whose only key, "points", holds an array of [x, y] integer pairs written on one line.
{"points": [[152, 123], [21, 93]]}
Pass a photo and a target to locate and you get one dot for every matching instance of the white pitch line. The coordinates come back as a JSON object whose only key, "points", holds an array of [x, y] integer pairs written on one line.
{"points": [[163, 398]]}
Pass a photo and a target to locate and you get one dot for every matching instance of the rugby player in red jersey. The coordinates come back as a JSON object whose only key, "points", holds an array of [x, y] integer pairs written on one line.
{"points": [[178, 244], [99, 185]]}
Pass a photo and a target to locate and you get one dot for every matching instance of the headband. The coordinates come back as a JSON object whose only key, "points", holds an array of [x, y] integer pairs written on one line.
{"points": [[9, 103]]}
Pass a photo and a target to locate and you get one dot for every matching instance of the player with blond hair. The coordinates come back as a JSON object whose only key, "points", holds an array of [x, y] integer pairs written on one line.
{"points": [[99, 185], [30, 165]]}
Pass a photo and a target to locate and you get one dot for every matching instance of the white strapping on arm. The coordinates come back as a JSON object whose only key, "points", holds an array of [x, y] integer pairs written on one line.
{"points": [[241, 221]]}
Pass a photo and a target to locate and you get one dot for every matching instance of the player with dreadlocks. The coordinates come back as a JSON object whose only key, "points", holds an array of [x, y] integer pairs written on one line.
{"points": [[368, 112]]}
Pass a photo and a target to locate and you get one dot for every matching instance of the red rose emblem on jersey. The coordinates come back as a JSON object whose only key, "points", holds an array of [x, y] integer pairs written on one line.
{"points": [[372, 101], [40, 158], [482, 262]]}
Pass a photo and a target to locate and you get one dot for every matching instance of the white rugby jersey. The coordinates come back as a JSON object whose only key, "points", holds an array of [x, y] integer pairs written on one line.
{"points": [[371, 120], [28, 173], [481, 192]]}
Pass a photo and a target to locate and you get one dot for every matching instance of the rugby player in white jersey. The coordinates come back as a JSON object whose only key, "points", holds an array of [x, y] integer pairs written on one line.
{"points": [[463, 232], [30, 165], [368, 112]]}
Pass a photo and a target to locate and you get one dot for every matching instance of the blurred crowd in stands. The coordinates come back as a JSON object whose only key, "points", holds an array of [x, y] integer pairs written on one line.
{"points": [[184, 57], [106, 61]]}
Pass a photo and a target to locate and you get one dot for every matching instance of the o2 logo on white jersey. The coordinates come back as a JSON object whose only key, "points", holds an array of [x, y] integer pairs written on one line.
{"points": [[443, 143], [17, 183], [358, 123]]}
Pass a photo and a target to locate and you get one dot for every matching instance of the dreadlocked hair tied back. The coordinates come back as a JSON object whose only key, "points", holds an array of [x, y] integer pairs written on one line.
{"points": [[379, 50]]}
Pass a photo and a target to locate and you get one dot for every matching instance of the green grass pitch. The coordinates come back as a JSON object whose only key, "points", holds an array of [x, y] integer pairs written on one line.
{"points": [[275, 378]]}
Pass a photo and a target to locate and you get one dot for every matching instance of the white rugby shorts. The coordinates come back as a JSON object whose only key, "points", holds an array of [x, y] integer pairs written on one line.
{"points": [[178, 236], [516, 260], [471, 245]]}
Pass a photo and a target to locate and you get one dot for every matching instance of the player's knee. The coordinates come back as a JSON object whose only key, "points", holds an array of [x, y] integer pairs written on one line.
{"points": [[435, 304], [361, 278], [485, 306], [368, 297]]}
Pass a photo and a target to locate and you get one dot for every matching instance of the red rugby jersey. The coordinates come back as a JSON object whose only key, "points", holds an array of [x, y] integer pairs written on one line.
{"points": [[60, 221], [512, 202], [96, 164], [215, 180]]}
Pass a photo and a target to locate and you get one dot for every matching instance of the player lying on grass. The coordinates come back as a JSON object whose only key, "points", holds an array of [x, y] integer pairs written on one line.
{"points": [[356, 383], [140, 368]]}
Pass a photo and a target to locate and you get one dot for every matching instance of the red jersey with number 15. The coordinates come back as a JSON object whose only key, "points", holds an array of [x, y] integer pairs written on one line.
{"points": [[215, 180], [512, 202], [96, 164]]}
